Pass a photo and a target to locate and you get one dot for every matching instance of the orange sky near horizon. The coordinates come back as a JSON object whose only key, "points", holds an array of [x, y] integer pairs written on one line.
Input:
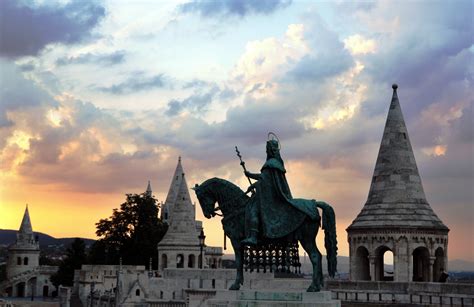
{"points": [[74, 214]]}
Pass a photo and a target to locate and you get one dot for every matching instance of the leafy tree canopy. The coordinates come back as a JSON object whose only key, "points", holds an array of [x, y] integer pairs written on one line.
{"points": [[75, 257], [131, 232]]}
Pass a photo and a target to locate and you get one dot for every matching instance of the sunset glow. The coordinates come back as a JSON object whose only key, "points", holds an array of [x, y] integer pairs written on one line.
{"points": [[93, 107]]}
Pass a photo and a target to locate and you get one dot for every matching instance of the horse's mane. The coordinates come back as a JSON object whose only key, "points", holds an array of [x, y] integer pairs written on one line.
{"points": [[226, 188]]}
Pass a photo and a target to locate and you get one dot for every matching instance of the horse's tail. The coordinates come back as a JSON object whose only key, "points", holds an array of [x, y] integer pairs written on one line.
{"points": [[330, 241]]}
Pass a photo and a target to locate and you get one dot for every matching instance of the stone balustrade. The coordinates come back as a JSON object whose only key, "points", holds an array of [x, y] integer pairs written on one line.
{"points": [[421, 293]]}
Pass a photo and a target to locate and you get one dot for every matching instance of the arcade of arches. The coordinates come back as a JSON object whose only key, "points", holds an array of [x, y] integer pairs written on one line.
{"points": [[413, 260], [188, 260]]}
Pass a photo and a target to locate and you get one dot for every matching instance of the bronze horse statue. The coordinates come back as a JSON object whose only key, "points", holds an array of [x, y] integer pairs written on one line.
{"points": [[232, 202]]}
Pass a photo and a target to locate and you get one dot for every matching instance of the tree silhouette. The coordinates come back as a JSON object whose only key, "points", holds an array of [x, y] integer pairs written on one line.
{"points": [[131, 233], [75, 258]]}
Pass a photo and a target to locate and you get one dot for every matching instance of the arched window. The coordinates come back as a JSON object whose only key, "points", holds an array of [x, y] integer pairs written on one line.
{"points": [[164, 261], [45, 291], [137, 292], [191, 261], [18, 260], [25, 261], [439, 264], [361, 268], [180, 261], [384, 266], [421, 264]]}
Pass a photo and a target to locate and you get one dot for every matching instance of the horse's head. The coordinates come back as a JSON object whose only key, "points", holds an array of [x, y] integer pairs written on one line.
{"points": [[206, 199], [227, 195]]}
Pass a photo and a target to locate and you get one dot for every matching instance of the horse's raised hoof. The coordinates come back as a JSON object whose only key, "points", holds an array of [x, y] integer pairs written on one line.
{"points": [[313, 288], [235, 286]]}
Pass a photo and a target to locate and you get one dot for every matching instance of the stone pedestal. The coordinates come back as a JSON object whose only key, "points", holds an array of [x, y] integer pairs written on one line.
{"points": [[272, 298]]}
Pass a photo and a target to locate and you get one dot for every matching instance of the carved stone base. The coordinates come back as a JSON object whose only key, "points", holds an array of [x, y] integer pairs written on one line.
{"points": [[272, 298]]}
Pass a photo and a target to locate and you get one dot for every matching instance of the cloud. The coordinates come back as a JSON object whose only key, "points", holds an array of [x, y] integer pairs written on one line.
{"points": [[238, 8], [265, 61], [325, 94], [357, 44], [25, 30], [195, 103], [327, 56], [18, 93], [414, 48], [136, 83], [108, 59]]}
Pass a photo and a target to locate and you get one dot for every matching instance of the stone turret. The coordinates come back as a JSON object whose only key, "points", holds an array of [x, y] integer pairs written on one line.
{"points": [[180, 245], [23, 255], [396, 216]]}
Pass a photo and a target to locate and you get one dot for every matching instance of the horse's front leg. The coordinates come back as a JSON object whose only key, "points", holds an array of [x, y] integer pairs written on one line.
{"points": [[239, 280]]}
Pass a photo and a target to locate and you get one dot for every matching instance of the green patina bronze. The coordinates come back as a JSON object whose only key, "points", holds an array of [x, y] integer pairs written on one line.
{"points": [[270, 213]]}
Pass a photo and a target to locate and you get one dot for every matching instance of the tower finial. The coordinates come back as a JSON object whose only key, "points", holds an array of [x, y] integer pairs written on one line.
{"points": [[179, 158], [394, 86]]}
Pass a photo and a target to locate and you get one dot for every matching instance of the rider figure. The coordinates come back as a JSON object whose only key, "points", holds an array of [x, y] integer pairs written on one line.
{"points": [[271, 186]]}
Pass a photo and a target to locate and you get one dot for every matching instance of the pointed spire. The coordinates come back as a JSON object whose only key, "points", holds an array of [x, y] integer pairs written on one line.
{"points": [[175, 183], [396, 195], [148, 191], [182, 224], [25, 227]]}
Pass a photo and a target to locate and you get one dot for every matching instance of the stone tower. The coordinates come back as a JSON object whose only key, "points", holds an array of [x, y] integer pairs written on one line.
{"points": [[179, 248], [23, 255], [396, 216]]}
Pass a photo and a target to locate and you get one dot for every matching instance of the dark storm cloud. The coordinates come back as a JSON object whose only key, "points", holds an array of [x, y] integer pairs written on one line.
{"points": [[113, 58], [135, 84], [238, 8], [25, 30]]}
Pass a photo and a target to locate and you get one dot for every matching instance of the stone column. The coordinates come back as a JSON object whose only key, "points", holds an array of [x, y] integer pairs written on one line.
{"points": [[410, 263], [185, 260], [401, 261], [351, 259], [372, 267], [432, 261]]}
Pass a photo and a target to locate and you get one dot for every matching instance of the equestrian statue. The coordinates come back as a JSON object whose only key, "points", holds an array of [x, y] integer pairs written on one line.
{"points": [[270, 214]]}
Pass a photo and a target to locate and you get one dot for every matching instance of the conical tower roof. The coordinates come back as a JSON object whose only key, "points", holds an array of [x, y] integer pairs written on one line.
{"points": [[25, 238], [25, 227], [396, 197], [148, 191], [175, 185], [182, 226]]}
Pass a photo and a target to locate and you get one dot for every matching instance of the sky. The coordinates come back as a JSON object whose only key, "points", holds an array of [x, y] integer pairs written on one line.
{"points": [[97, 98]]}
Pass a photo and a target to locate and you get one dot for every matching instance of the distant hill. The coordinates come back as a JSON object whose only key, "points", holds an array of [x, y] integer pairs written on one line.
{"points": [[8, 236], [460, 265]]}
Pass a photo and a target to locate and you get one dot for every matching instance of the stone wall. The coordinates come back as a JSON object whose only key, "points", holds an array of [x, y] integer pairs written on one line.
{"points": [[419, 293]]}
